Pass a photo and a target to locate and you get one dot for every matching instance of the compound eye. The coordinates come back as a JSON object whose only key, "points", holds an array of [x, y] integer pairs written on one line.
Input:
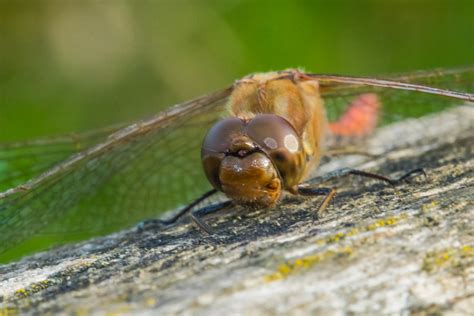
{"points": [[273, 132], [277, 137], [217, 141], [219, 137]]}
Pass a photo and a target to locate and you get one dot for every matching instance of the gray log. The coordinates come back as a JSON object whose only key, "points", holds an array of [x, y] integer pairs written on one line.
{"points": [[378, 249]]}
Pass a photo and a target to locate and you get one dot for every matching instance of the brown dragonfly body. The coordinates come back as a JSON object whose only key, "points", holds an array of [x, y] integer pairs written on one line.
{"points": [[286, 118], [276, 136], [266, 133]]}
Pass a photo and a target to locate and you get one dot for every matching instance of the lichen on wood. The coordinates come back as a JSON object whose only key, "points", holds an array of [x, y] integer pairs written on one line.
{"points": [[378, 250]]}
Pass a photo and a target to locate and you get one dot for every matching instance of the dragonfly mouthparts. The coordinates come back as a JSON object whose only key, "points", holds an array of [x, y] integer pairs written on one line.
{"points": [[242, 146]]}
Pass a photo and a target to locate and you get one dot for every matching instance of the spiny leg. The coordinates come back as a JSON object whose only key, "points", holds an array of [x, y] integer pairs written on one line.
{"points": [[199, 213], [328, 192], [331, 192], [347, 171], [159, 222]]}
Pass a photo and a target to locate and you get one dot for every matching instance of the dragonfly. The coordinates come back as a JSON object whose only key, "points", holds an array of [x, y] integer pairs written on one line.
{"points": [[97, 182]]}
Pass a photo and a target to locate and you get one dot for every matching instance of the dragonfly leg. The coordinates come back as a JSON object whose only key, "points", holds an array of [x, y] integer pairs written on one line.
{"points": [[348, 171], [177, 216], [331, 192], [328, 192], [197, 215]]}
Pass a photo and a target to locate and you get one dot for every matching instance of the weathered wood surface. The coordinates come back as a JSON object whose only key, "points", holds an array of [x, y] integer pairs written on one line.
{"points": [[379, 250]]}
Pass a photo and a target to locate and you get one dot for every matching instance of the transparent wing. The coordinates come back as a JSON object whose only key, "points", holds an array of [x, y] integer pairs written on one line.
{"points": [[403, 95], [133, 174], [21, 161]]}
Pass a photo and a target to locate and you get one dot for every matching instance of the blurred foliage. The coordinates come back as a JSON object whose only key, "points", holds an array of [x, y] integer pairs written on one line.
{"points": [[75, 65]]}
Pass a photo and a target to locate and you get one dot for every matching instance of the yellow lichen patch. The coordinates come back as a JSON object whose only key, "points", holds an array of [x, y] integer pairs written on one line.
{"points": [[428, 207], [81, 266], [33, 288], [389, 221], [150, 302], [306, 262], [353, 232], [36, 287], [467, 251], [22, 292], [82, 312], [9, 311], [291, 267], [119, 310], [448, 258]]}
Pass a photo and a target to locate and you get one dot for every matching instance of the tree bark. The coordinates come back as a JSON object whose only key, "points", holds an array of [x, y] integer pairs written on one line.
{"points": [[378, 249]]}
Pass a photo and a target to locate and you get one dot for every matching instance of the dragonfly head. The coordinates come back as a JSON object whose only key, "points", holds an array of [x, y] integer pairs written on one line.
{"points": [[251, 161]]}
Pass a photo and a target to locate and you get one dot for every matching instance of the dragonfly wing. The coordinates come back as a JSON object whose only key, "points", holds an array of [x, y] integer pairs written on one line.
{"points": [[400, 96], [22, 161], [136, 173]]}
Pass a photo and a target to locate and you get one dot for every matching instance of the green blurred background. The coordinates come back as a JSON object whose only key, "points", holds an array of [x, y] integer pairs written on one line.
{"points": [[76, 65]]}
